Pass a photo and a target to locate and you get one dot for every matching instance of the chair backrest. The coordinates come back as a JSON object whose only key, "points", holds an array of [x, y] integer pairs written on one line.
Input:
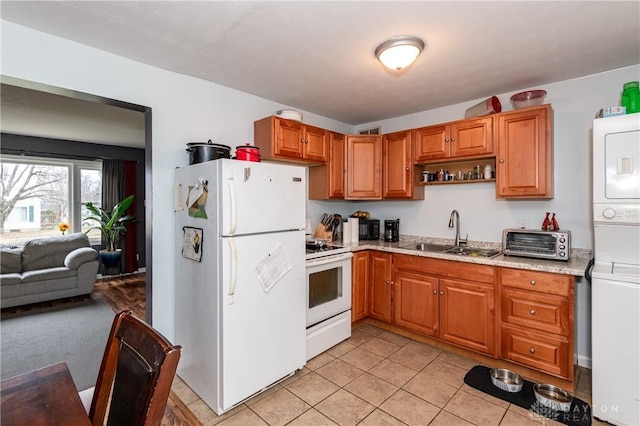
{"points": [[135, 376]]}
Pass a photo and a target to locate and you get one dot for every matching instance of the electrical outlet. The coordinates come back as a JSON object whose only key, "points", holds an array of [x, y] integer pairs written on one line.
{"points": [[523, 223]]}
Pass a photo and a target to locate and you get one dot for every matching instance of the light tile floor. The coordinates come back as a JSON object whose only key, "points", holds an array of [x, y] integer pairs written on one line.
{"points": [[377, 378]]}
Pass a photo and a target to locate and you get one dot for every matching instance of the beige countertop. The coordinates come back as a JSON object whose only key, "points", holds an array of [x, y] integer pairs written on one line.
{"points": [[574, 266]]}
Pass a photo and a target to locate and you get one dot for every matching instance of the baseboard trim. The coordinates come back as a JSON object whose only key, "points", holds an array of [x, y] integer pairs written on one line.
{"points": [[128, 274], [583, 361]]}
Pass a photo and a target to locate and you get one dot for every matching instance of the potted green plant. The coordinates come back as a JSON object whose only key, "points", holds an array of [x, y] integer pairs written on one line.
{"points": [[112, 224]]}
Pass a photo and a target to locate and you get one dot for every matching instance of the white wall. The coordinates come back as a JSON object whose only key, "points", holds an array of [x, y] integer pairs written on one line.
{"points": [[575, 103], [184, 109]]}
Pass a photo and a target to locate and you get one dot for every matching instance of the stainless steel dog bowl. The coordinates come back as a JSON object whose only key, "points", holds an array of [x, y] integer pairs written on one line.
{"points": [[552, 396], [506, 380]]}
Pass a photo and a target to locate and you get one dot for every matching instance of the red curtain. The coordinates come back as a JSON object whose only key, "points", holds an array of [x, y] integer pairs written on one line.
{"points": [[130, 248]]}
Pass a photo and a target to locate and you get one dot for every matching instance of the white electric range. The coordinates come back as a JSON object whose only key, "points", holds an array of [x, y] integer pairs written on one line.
{"points": [[328, 271]]}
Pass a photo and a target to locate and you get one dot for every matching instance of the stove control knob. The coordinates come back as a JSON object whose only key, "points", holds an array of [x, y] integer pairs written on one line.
{"points": [[609, 213]]}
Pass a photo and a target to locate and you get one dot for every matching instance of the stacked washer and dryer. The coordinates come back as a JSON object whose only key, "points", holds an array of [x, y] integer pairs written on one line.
{"points": [[615, 295]]}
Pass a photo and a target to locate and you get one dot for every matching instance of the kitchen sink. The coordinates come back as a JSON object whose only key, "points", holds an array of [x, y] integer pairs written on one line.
{"points": [[473, 252], [428, 247]]}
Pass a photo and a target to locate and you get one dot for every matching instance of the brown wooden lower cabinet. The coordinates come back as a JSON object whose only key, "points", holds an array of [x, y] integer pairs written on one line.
{"points": [[467, 316], [541, 351], [381, 285], [431, 298], [535, 311], [359, 285], [455, 302], [537, 320], [416, 302]]}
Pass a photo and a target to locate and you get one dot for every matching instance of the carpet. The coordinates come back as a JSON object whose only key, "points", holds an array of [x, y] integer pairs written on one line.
{"points": [[75, 333], [578, 415]]}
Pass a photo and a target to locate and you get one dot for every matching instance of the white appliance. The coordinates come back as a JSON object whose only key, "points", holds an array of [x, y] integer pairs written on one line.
{"points": [[615, 295], [328, 296], [240, 278]]}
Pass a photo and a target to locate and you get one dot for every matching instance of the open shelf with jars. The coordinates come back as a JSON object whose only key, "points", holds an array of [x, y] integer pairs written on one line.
{"points": [[459, 172]]}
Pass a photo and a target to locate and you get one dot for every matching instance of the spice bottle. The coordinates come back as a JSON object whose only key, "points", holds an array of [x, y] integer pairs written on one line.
{"points": [[487, 171]]}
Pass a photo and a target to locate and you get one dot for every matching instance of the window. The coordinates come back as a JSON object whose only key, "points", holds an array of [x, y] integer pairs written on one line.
{"points": [[37, 194], [90, 191]]}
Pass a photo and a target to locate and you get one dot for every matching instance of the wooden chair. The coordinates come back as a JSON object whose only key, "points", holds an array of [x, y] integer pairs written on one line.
{"points": [[135, 376]]}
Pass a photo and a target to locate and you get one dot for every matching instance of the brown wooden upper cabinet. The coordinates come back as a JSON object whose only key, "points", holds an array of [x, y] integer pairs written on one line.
{"points": [[327, 182], [399, 175], [459, 139], [524, 158], [364, 167], [283, 139], [367, 167]]}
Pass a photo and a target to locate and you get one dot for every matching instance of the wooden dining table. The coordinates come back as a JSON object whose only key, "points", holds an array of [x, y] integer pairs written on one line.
{"points": [[46, 396]]}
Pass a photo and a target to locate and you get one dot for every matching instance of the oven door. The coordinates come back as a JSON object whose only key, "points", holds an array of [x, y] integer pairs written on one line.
{"points": [[328, 287]]}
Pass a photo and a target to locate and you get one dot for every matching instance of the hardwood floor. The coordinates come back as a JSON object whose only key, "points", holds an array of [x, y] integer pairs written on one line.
{"points": [[128, 292], [122, 293]]}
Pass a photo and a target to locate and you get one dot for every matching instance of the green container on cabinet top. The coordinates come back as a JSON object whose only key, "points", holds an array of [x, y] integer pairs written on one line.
{"points": [[631, 97]]}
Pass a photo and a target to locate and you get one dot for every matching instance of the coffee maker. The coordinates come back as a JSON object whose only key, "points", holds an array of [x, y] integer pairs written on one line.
{"points": [[392, 230]]}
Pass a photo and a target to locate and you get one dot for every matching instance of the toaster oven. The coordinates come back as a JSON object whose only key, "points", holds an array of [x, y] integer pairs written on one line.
{"points": [[554, 245]]}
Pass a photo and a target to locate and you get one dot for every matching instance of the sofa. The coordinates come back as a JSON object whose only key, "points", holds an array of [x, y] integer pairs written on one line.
{"points": [[46, 269]]}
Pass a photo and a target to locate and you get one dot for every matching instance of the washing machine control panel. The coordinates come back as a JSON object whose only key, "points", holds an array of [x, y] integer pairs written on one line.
{"points": [[617, 213]]}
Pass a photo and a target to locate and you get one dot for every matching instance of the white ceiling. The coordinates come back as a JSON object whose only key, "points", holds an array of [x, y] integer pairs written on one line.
{"points": [[318, 56]]}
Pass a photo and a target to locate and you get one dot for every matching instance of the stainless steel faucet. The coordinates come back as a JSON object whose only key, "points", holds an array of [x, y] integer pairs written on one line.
{"points": [[459, 241]]}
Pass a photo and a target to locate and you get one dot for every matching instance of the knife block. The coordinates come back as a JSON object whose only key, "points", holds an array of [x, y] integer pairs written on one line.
{"points": [[322, 233]]}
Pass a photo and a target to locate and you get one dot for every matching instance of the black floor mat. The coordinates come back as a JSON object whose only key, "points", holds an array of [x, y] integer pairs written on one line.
{"points": [[578, 415]]}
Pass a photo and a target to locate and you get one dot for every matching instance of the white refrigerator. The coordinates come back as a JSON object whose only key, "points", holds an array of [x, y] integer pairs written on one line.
{"points": [[240, 279]]}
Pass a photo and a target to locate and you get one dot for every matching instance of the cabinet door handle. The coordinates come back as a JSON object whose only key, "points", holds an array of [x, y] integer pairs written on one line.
{"points": [[441, 292], [378, 171], [533, 282], [407, 169], [502, 161], [532, 312], [388, 282], [453, 139], [435, 291], [446, 139], [532, 350]]}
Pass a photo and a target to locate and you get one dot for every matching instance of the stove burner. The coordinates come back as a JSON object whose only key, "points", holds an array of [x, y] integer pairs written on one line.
{"points": [[316, 243], [325, 249]]}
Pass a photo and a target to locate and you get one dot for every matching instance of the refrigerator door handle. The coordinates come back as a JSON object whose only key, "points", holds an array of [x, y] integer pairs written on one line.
{"points": [[234, 269], [233, 217]]}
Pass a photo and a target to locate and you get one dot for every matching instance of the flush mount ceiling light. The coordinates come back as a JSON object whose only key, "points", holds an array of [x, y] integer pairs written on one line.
{"points": [[399, 52]]}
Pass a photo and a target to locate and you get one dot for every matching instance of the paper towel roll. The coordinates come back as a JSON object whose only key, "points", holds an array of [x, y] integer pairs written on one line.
{"points": [[354, 224], [346, 232]]}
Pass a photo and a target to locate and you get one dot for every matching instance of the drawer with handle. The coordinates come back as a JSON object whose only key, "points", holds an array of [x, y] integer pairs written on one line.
{"points": [[539, 351], [536, 311], [543, 282]]}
